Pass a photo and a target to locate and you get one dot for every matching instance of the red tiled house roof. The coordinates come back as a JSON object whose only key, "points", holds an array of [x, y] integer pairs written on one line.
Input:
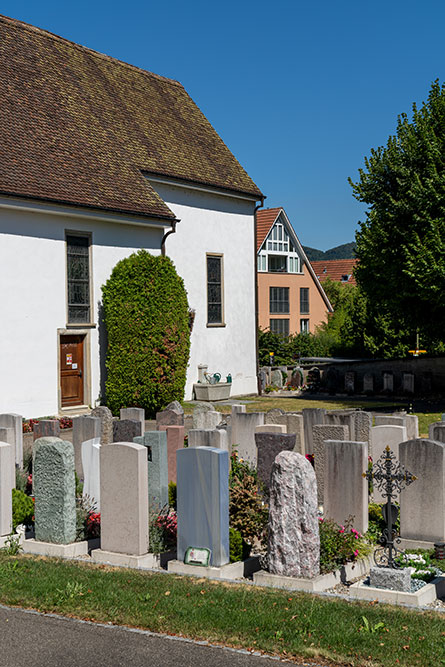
{"points": [[81, 128], [335, 269], [264, 221]]}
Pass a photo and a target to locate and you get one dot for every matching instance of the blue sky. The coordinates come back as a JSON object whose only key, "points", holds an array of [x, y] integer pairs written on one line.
{"points": [[299, 91]]}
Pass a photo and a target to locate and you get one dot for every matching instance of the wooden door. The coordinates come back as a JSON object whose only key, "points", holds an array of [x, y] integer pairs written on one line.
{"points": [[71, 370]]}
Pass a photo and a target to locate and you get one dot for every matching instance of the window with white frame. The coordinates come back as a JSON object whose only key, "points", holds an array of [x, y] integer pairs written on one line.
{"points": [[278, 254], [304, 326]]}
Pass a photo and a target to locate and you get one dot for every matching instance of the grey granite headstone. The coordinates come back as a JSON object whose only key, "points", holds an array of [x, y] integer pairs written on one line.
{"points": [[85, 428], [126, 430], [269, 445], [216, 438], [389, 420], [138, 414], [199, 413], [172, 415], [203, 502], [294, 541], [7, 467], [350, 382], [106, 417], [243, 434], [345, 488], [277, 378], [436, 432], [422, 503], [274, 416], [263, 379], [311, 416], [46, 428], [321, 433], [124, 499], [14, 421], [391, 579], [341, 418], [156, 444], [54, 490], [368, 383]]}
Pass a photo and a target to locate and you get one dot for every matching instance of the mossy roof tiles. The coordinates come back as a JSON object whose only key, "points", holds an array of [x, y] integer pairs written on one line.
{"points": [[81, 128]]}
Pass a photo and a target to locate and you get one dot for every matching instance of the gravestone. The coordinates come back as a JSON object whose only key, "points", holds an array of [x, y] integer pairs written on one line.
{"points": [[269, 445], [172, 415], [341, 418], [332, 380], [321, 433], [381, 437], [85, 428], [311, 416], [297, 377], [106, 419], [412, 427], [124, 499], [362, 424], [126, 430], [7, 467], [216, 438], [270, 428], [46, 428], [422, 503], [277, 379], [388, 383], [138, 414], [175, 441], [54, 490], [7, 436], [90, 454], [293, 542], [14, 421], [389, 420], [199, 414], [243, 434], [391, 579], [436, 431], [274, 416], [155, 443], [368, 383], [408, 383], [350, 382], [263, 379], [203, 502], [345, 488], [294, 424], [237, 408]]}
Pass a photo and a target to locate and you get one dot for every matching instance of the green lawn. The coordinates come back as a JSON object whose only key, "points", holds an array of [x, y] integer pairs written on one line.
{"points": [[278, 622]]}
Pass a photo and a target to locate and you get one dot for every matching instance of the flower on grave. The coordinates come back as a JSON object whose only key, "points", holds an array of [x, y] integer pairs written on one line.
{"points": [[342, 529]]}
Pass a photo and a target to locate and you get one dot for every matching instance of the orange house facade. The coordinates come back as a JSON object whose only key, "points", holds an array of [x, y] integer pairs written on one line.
{"points": [[290, 297]]}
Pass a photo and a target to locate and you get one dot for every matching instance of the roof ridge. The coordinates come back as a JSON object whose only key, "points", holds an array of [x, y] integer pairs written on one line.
{"points": [[53, 36]]}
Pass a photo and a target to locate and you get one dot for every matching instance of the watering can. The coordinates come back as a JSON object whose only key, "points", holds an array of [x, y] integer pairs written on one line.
{"points": [[213, 379]]}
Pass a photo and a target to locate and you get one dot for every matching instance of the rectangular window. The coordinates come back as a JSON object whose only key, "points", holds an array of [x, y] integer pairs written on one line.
{"points": [[278, 263], [304, 300], [78, 273], [279, 327], [304, 326], [214, 290], [279, 299]]}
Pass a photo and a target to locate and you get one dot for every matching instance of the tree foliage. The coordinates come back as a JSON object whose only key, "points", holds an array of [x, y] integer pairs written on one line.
{"points": [[401, 244], [146, 316]]}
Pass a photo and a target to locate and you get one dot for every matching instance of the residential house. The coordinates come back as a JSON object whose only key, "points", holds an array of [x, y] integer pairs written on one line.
{"points": [[99, 159], [290, 297], [340, 270]]}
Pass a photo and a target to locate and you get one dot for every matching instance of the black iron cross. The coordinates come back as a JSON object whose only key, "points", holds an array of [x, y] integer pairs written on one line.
{"points": [[390, 477]]}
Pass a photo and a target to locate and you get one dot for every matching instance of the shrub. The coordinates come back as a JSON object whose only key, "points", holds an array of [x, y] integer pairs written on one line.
{"points": [[22, 509], [147, 321], [172, 495], [340, 545], [239, 549], [163, 529], [248, 512]]}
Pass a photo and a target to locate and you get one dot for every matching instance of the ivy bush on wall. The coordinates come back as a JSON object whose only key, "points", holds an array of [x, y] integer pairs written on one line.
{"points": [[147, 320]]}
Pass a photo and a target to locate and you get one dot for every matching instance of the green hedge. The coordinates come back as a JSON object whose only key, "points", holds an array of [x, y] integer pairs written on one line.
{"points": [[146, 316]]}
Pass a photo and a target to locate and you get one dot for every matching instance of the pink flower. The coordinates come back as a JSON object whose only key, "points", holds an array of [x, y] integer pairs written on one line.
{"points": [[356, 552], [342, 530]]}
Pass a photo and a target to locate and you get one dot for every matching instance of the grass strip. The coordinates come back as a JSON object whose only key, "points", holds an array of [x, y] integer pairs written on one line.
{"points": [[288, 624]]}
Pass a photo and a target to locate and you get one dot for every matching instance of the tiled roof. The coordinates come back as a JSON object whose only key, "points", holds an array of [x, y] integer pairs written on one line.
{"points": [[264, 221], [335, 269], [81, 128]]}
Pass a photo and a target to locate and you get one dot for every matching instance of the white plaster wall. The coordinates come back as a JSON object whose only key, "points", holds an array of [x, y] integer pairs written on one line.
{"points": [[217, 224], [33, 300]]}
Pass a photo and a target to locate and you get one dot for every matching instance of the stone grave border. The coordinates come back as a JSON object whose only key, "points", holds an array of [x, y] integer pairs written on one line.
{"points": [[425, 595]]}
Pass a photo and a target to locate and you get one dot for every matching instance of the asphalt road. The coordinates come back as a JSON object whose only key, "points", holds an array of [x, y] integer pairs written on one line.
{"points": [[39, 640]]}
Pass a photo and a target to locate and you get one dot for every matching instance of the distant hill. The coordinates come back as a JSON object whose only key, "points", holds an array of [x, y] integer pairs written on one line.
{"points": [[345, 251]]}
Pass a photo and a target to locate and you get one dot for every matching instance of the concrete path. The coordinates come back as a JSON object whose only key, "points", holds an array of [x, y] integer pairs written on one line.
{"points": [[31, 638]]}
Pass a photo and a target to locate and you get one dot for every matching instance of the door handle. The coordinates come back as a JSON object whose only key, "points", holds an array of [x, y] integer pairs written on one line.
{"points": [[80, 373]]}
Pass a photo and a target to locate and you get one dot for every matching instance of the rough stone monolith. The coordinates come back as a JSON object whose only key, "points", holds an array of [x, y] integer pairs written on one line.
{"points": [[106, 417], [294, 541]]}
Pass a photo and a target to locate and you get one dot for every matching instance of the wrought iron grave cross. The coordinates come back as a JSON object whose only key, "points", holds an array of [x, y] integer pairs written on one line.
{"points": [[390, 477]]}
